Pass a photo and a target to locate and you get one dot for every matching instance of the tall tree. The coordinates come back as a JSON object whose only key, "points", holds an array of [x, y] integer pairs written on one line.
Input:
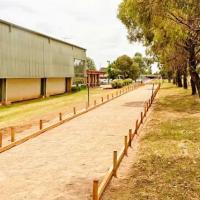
{"points": [[144, 63], [164, 25]]}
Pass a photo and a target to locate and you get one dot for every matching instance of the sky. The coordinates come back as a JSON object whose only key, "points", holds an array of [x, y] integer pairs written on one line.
{"points": [[92, 24]]}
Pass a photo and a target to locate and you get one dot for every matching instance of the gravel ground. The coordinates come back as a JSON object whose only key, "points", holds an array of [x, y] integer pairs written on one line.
{"points": [[61, 164]]}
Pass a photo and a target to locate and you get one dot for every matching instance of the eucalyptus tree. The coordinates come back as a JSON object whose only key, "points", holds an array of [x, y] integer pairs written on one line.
{"points": [[164, 25], [144, 63]]}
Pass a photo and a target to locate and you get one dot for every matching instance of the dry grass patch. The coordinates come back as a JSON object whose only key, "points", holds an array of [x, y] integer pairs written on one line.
{"points": [[168, 164]]}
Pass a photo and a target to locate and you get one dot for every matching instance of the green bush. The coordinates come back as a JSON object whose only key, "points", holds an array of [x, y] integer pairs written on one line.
{"points": [[83, 87], [128, 81], [78, 81], [119, 83], [75, 88], [78, 88]]}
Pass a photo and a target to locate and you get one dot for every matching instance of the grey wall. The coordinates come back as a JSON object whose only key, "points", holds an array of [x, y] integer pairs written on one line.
{"points": [[27, 54]]}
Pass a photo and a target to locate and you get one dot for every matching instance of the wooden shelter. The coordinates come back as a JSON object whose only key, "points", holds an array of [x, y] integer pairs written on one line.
{"points": [[93, 77]]}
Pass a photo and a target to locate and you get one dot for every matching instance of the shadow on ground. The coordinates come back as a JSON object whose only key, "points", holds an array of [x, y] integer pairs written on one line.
{"points": [[134, 104]]}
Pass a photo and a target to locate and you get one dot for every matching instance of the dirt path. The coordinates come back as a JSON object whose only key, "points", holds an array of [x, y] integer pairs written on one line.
{"points": [[61, 164]]}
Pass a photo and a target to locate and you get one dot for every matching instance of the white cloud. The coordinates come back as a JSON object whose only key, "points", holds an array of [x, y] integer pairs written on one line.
{"points": [[92, 24]]}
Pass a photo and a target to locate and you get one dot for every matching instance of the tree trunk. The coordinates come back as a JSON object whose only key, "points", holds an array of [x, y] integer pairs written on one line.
{"points": [[193, 86], [179, 78], [174, 80], [169, 76], [185, 84], [195, 80], [185, 75]]}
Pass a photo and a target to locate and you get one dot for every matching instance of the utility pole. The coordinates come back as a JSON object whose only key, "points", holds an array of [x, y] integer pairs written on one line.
{"points": [[108, 66]]}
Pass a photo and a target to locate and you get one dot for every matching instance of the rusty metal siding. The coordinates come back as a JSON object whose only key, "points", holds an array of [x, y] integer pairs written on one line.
{"points": [[26, 54]]}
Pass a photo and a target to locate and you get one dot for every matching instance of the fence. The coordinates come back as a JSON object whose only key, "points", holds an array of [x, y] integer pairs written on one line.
{"points": [[61, 119], [100, 187]]}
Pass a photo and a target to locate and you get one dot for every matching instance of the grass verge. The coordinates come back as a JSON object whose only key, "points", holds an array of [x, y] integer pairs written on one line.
{"points": [[28, 111], [168, 162]]}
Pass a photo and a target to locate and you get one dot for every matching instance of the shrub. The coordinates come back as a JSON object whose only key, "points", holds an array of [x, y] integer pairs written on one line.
{"points": [[78, 81], [128, 81], [83, 87], [78, 88], [117, 83], [75, 88]]}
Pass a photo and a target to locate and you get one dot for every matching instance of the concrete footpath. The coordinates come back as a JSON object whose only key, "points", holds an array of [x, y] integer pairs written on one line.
{"points": [[62, 163]]}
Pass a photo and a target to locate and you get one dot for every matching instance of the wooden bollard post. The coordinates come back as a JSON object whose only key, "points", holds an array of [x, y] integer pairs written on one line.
{"points": [[74, 109], [108, 97], [102, 99], [115, 163], [136, 127], [125, 145], [145, 110], [12, 134], [95, 195], [60, 116], [95, 102], [1, 138], [141, 117], [112, 95], [147, 106], [41, 124], [130, 137], [86, 105]]}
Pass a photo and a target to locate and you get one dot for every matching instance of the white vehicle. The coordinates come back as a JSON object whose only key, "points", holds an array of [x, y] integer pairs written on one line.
{"points": [[104, 81]]}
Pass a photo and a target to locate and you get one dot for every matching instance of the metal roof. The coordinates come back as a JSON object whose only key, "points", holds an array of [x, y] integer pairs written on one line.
{"points": [[38, 33]]}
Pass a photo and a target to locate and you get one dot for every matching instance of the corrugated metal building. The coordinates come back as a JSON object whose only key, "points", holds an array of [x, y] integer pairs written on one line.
{"points": [[34, 65]]}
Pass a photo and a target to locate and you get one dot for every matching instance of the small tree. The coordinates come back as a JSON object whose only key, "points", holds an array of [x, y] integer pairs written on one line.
{"points": [[135, 71], [90, 64], [112, 71], [124, 65]]}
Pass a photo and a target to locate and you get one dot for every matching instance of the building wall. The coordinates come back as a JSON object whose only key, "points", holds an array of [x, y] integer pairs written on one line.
{"points": [[27, 54], [26, 57], [55, 86], [22, 89]]}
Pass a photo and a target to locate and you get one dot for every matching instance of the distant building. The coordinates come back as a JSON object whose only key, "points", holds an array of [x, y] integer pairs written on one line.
{"points": [[35, 65], [93, 77]]}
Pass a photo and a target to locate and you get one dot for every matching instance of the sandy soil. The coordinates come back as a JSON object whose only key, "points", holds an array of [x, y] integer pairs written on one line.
{"points": [[61, 164]]}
